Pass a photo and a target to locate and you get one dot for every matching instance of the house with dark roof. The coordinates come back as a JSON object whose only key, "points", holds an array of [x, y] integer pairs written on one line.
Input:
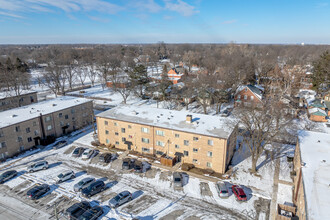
{"points": [[318, 110], [248, 95]]}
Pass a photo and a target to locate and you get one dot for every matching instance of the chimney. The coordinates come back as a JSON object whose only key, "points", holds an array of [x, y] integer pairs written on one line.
{"points": [[189, 119]]}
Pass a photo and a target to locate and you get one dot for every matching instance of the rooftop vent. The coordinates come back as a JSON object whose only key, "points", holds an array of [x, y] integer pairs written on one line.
{"points": [[318, 141], [53, 104], [189, 119], [134, 113], [13, 116]]}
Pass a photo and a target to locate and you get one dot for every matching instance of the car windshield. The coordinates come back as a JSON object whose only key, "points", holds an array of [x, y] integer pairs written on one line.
{"points": [[223, 191], [60, 176], [76, 151], [177, 179], [117, 198], [242, 196], [125, 163]]}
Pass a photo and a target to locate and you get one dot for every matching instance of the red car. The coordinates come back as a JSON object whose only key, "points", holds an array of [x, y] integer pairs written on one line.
{"points": [[239, 193]]}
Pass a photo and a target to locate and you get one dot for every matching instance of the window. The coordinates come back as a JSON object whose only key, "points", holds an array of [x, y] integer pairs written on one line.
{"points": [[210, 142], [177, 146], [28, 130], [123, 130], [48, 118], [209, 153], [66, 116], [195, 138], [238, 96], [115, 124], [36, 132], [34, 123], [116, 133], [1, 133], [147, 150], [17, 128], [177, 135], [49, 127], [186, 142], [245, 97], [159, 152], [72, 111], [107, 141], [145, 130], [60, 115], [61, 123], [29, 139], [21, 148], [194, 160], [129, 126], [106, 132], [19, 139], [209, 165], [123, 139], [160, 133], [3, 144], [252, 97], [145, 140], [195, 150], [160, 143], [105, 122], [185, 153], [117, 143]]}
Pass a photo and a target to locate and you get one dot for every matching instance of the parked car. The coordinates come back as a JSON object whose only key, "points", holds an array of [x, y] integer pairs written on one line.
{"points": [[95, 153], [128, 163], [92, 214], [93, 188], [177, 179], [225, 113], [120, 199], [87, 154], [78, 151], [239, 193], [222, 189], [59, 144], [7, 175], [41, 165], [83, 183], [105, 158], [141, 167], [77, 209], [65, 175], [37, 191]]}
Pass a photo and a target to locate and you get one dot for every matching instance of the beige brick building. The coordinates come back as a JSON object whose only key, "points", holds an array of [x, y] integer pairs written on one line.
{"points": [[9, 100], [206, 141], [25, 127], [311, 180]]}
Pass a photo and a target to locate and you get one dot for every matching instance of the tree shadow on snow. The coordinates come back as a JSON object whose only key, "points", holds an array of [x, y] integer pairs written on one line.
{"points": [[110, 184], [52, 165]]}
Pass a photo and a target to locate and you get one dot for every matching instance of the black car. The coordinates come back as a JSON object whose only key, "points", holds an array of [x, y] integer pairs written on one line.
{"points": [[37, 191], [93, 188], [128, 164], [78, 152], [105, 158], [92, 214], [7, 175], [77, 209], [138, 167]]}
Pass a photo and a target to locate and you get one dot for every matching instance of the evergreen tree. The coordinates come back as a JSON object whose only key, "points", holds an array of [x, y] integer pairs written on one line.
{"points": [[321, 74]]}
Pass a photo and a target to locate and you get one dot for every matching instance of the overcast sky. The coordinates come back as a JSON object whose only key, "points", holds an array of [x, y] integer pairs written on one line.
{"points": [[171, 21]]}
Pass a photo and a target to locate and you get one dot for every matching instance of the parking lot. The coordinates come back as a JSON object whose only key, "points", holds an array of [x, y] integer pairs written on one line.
{"points": [[154, 196]]}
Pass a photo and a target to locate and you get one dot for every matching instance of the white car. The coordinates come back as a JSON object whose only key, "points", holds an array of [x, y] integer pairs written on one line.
{"points": [[65, 175], [87, 154]]}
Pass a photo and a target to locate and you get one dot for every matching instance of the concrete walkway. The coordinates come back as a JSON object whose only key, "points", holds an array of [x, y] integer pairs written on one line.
{"points": [[273, 203]]}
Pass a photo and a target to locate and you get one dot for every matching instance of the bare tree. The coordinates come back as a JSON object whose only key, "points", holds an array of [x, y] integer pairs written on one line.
{"points": [[82, 73], [55, 78]]}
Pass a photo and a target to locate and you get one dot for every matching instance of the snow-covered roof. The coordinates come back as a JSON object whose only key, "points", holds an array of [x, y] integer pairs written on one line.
{"points": [[28, 112], [170, 119], [255, 90], [12, 93], [315, 156], [317, 111]]}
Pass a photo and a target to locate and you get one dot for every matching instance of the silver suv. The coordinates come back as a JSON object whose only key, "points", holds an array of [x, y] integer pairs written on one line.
{"points": [[41, 165], [65, 175]]}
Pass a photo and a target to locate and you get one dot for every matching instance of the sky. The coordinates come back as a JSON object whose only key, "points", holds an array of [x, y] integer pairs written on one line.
{"points": [[170, 21]]}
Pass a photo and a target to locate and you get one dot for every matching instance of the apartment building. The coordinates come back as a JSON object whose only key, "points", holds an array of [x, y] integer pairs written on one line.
{"points": [[25, 127], [311, 175], [206, 141], [9, 99]]}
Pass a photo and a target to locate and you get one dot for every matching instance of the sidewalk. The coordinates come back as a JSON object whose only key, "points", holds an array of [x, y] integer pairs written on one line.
{"points": [[273, 202]]}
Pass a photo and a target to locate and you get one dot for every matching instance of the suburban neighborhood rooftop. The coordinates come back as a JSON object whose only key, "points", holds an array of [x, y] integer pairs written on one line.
{"points": [[315, 156], [24, 113], [171, 119]]}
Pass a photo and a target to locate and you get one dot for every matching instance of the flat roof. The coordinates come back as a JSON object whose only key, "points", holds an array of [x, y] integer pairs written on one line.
{"points": [[12, 93], [315, 158], [208, 125], [17, 115]]}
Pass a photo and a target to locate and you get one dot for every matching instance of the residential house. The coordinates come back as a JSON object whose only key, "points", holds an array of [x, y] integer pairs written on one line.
{"points": [[248, 95], [39, 124], [317, 111], [206, 141], [174, 75], [311, 175]]}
